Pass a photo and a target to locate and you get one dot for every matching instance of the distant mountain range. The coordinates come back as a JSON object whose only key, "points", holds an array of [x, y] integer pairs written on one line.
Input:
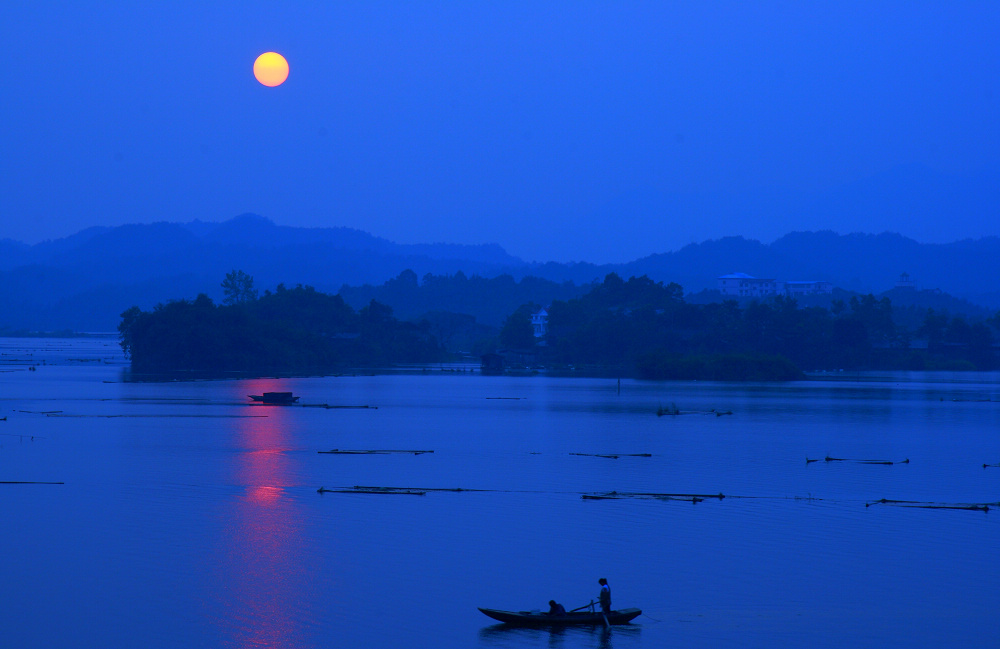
{"points": [[84, 281]]}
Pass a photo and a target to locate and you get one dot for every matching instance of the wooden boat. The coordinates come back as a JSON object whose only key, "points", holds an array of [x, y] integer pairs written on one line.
{"points": [[274, 397], [573, 618]]}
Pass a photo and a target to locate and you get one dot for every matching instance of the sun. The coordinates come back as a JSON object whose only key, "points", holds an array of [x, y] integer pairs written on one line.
{"points": [[271, 69]]}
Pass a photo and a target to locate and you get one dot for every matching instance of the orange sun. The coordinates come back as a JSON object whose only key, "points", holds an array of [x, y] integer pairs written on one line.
{"points": [[271, 69]]}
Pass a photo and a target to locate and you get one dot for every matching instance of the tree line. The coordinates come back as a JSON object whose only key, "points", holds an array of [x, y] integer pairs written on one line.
{"points": [[634, 327], [647, 328], [290, 330]]}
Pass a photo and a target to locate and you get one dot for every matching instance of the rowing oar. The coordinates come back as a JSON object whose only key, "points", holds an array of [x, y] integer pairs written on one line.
{"points": [[591, 607]]}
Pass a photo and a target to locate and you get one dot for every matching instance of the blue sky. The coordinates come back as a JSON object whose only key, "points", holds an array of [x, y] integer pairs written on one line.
{"points": [[598, 131]]}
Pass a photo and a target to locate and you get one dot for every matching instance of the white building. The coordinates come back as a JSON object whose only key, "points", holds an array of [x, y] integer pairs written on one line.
{"points": [[793, 289], [743, 285], [540, 322]]}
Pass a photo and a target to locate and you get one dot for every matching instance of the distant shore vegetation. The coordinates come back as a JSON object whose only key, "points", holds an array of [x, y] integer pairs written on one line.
{"points": [[635, 327], [648, 328], [292, 330]]}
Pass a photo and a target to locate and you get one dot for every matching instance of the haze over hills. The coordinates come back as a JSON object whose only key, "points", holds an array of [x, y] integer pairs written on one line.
{"points": [[908, 198], [84, 281]]}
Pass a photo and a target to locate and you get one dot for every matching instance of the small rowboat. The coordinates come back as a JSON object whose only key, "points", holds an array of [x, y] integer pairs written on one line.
{"points": [[573, 618]]}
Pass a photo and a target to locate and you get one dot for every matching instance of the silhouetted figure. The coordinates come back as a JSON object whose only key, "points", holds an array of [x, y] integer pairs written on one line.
{"points": [[555, 608], [605, 596]]}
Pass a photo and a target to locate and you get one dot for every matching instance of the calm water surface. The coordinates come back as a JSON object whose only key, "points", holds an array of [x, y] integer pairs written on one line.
{"points": [[190, 518]]}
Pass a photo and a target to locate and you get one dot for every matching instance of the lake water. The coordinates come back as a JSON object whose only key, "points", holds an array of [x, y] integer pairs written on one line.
{"points": [[190, 518]]}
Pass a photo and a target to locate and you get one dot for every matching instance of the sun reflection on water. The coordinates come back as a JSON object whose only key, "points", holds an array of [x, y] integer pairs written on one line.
{"points": [[263, 552]]}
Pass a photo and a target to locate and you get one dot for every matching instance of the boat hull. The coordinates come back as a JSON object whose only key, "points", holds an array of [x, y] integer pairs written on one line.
{"points": [[274, 397], [582, 618]]}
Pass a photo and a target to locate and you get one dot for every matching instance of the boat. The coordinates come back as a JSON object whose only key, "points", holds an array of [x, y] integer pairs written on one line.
{"points": [[572, 618], [274, 397]]}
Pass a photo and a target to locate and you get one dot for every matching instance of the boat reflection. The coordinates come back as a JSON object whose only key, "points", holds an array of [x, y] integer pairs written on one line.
{"points": [[508, 635]]}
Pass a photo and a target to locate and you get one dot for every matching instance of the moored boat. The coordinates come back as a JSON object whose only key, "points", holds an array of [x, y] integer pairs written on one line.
{"points": [[274, 397], [581, 618]]}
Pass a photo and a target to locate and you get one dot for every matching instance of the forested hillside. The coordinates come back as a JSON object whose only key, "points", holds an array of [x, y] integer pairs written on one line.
{"points": [[297, 330], [647, 326]]}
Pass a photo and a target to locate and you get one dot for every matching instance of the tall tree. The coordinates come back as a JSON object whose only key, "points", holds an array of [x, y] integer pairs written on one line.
{"points": [[238, 287], [517, 332], [127, 328]]}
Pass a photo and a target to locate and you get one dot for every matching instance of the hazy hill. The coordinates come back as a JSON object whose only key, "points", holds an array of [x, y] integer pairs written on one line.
{"points": [[858, 262], [83, 282]]}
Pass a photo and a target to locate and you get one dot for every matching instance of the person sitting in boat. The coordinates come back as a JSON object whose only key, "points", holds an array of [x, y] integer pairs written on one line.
{"points": [[555, 608], [605, 596]]}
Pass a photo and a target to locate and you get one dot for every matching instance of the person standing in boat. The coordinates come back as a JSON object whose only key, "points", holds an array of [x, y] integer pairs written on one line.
{"points": [[605, 597]]}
